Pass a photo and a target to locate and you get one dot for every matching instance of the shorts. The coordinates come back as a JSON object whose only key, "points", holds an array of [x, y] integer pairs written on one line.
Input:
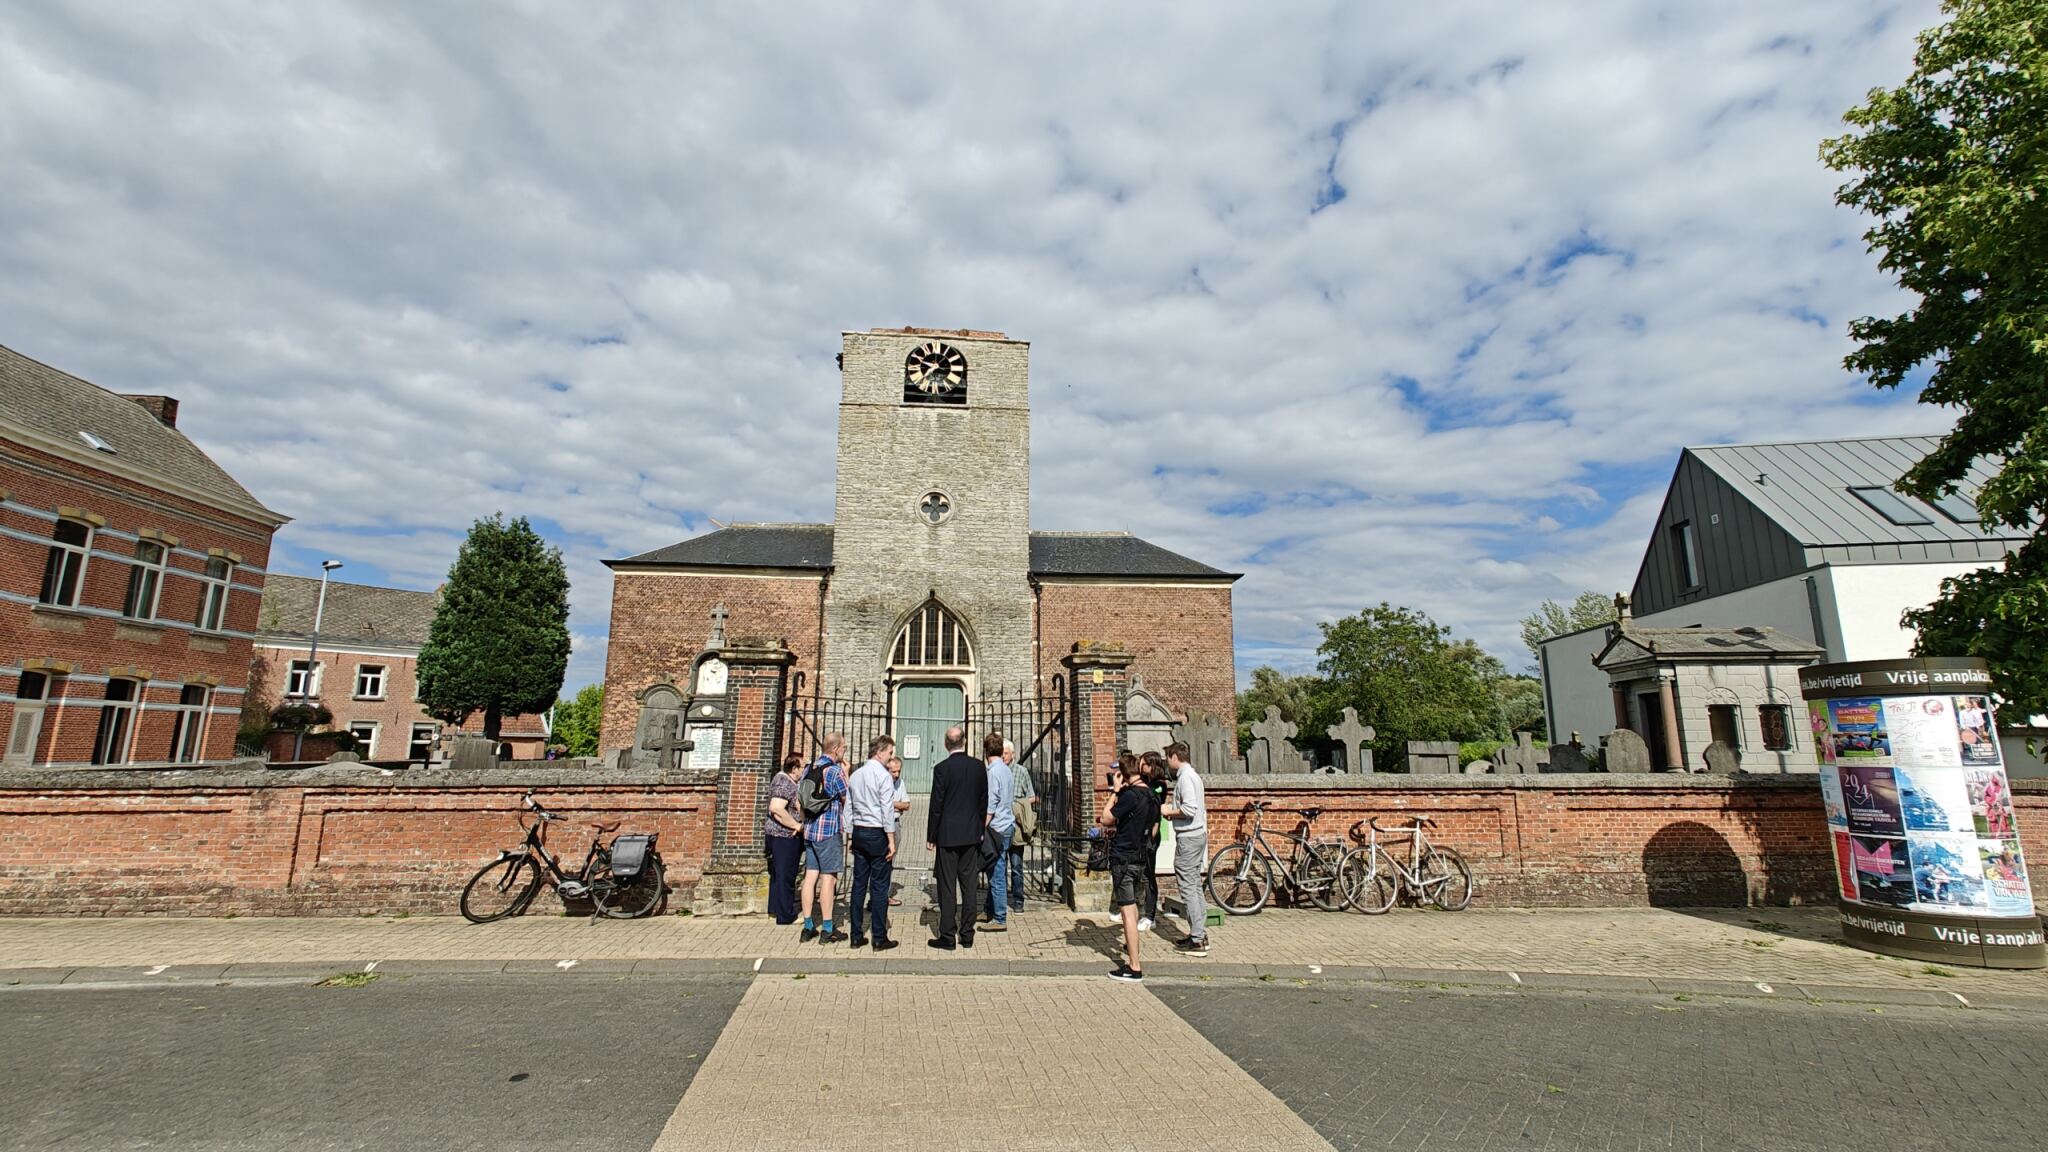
{"points": [[827, 855], [1127, 882]]}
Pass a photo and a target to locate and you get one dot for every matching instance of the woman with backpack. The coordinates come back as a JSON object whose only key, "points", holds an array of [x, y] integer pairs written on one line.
{"points": [[784, 834]]}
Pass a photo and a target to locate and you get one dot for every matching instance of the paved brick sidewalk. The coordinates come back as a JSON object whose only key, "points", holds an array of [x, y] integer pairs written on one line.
{"points": [[1771, 945]]}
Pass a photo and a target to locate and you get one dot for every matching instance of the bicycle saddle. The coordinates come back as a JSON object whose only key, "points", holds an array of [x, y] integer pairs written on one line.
{"points": [[603, 828], [1311, 813]]}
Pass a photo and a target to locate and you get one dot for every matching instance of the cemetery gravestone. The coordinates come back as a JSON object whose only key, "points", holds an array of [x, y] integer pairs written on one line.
{"points": [[1356, 740], [658, 741], [1479, 768], [1273, 735], [471, 754], [1522, 758], [1626, 752], [1432, 757], [1722, 759], [1569, 757], [1206, 742]]}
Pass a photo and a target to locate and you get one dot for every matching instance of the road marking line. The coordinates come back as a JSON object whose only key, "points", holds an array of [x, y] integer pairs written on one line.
{"points": [[757, 962], [1959, 999], [371, 966], [1764, 988], [565, 965], [1315, 969], [1512, 976], [156, 971]]}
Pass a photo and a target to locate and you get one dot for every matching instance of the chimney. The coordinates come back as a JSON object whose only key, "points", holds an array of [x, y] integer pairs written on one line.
{"points": [[164, 408]]}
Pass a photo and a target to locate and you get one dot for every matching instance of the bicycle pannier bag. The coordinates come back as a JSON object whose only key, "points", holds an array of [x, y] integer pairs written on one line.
{"points": [[629, 855], [810, 794]]}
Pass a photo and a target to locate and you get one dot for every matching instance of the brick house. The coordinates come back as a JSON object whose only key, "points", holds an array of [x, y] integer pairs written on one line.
{"points": [[131, 567], [370, 640], [929, 584]]}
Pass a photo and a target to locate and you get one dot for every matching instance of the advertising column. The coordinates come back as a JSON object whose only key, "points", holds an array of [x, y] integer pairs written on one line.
{"points": [[1927, 856]]}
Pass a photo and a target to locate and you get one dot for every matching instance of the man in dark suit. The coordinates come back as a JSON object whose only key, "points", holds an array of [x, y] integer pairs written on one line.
{"points": [[953, 830]]}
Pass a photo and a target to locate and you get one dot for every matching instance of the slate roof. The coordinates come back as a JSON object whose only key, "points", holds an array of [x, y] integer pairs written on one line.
{"points": [[1723, 644], [809, 547], [1805, 489], [392, 617], [59, 406]]}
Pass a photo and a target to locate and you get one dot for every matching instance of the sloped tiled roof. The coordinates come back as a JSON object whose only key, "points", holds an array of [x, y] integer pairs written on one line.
{"points": [[809, 547], [395, 617], [59, 406], [1805, 487]]}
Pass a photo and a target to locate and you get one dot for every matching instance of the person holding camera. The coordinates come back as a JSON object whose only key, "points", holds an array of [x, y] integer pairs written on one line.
{"points": [[1127, 818]]}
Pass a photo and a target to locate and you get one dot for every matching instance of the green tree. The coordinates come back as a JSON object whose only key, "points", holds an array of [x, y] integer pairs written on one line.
{"points": [[499, 643], [1407, 678], [578, 719], [1521, 706], [1953, 166], [1295, 696], [1553, 619]]}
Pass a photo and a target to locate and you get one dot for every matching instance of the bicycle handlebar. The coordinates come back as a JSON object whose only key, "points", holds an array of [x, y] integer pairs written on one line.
{"points": [[1373, 822]]}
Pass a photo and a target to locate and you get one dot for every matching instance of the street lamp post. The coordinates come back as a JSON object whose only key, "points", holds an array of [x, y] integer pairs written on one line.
{"points": [[313, 653]]}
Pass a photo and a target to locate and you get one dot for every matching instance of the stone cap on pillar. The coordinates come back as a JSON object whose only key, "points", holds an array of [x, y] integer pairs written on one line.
{"points": [[756, 650], [1097, 654]]}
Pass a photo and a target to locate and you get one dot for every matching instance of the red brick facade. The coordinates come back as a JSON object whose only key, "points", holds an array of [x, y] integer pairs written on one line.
{"points": [[1179, 637], [81, 648], [661, 621], [395, 711]]}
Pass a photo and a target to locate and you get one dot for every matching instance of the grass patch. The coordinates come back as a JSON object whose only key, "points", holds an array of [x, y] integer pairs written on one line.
{"points": [[349, 980], [1936, 970]]}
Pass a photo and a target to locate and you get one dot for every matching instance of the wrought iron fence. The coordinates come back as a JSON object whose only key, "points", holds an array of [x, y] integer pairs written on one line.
{"points": [[859, 712]]}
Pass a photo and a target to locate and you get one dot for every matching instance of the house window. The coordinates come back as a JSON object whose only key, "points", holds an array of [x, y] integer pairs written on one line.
{"points": [[188, 739], [64, 573], [301, 680], [931, 638], [116, 735], [1685, 552], [30, 697], [1959, 508], [1723, 726], [422, 745], [369, 681], [1776, 722], [1889, 505], [145, 580], [213, 594], [365, 732]]}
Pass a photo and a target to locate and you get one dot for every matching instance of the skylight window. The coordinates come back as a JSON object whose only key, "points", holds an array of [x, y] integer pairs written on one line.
{"points": [[95, 443], [1887, 504], [1959, 508]]}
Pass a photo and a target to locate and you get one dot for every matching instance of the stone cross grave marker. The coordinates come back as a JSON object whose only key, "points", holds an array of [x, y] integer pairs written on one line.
{"points": [[1274, 735], [1206, 741], [658, 738], [1356, 740], [1723, 759], [1626, 752], [1522, 758]]}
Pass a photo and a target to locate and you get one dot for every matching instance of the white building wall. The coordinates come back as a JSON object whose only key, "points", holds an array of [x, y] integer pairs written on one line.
{"points": [[1864, 602]]}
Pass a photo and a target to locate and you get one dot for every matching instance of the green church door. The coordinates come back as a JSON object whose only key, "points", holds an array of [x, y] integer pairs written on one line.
{"points": [[923, 713]]}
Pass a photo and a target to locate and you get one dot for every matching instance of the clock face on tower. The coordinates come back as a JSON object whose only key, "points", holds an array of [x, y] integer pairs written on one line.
{"points": [[935, 373]]}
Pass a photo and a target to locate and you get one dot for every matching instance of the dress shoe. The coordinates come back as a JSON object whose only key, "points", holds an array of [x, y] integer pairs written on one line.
{"points": [[858, 942], [807, 935], [939, 942], [967, 939], [883, 944]]}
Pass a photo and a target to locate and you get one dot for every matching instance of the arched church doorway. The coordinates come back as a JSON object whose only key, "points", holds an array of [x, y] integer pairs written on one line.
{"points": [[931, 665]]}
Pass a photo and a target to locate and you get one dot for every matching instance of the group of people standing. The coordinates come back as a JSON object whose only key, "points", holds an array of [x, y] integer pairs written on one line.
{"points": [[972, 826]]}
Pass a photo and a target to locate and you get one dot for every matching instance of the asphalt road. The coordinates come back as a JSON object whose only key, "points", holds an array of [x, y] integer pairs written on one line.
{"points": [[501, 1063], [1385, 1067]]}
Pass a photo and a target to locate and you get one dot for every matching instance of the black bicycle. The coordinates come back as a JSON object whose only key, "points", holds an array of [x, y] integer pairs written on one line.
{"points": [[623, 881], [1242, 875]]}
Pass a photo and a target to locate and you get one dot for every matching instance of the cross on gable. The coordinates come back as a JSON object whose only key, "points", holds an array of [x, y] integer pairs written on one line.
{"points": [[718, 618]]}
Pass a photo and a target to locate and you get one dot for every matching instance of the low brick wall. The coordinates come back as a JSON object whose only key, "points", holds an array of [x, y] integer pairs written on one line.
{"points": [[1601, 840], [335, 839]]}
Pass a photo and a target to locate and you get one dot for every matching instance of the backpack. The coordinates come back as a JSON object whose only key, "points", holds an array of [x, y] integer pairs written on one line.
{"points": [[811, 799]]}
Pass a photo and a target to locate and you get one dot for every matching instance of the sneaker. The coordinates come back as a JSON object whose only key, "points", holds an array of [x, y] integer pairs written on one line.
{"points": [[995, 926], [1190, 946], [1127, 974], [807, 935], [1144, 923], [833, 937]]}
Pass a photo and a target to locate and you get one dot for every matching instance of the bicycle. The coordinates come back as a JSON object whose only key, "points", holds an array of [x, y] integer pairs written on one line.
{"points": [[623, 881], [1240, 875], [1438, 875]]}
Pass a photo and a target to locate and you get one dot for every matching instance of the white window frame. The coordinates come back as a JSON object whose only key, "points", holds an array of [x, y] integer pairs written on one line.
{"points": [[366, 747], [52, 590], [146, 573], [213, 594], [188, 735], [364, 672], [28, 718], [121, 731], [433, 733], [308, 673]]}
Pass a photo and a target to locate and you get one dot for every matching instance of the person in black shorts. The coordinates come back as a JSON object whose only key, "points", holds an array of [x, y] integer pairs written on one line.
{"points": [[1127, 818]]}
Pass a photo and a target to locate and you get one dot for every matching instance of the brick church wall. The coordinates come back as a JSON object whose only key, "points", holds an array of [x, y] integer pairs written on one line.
{"points": [[662, 620], [1178, 636]]}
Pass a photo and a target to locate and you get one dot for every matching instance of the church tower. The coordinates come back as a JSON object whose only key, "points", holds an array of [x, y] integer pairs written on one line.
{"points": [[930, 581]]}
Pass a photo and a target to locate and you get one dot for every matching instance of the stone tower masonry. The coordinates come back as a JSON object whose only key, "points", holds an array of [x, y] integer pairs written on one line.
{"points": [[888, 557]]}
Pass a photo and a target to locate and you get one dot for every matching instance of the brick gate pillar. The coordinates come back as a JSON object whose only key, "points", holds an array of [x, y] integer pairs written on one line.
{"points": [[736, 876], [1099, 676]]}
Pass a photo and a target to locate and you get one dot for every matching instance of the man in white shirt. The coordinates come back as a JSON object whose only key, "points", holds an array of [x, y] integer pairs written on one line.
{"points": [[1188, 810], [871, 807], [1026, 791]]}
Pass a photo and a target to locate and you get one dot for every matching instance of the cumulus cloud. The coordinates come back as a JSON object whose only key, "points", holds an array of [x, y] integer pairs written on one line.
{"points": [[1367, 303]]}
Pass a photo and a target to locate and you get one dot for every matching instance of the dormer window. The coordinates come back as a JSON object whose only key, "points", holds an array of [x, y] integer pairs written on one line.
{"points": [[95, 443]]}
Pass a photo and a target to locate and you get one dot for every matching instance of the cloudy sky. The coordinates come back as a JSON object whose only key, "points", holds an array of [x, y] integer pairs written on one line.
{"points": [[1370, 302]]}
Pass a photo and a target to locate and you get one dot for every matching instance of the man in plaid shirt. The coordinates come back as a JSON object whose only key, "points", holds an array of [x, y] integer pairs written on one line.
{"points": [[824, 846]]}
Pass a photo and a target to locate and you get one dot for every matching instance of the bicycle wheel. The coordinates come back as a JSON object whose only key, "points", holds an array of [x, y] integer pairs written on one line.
{"points": [[1239, 880], [500, 889], [643, 895], [1380, 887], [1354, 872], [1445, 879], [1321, 878]]}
